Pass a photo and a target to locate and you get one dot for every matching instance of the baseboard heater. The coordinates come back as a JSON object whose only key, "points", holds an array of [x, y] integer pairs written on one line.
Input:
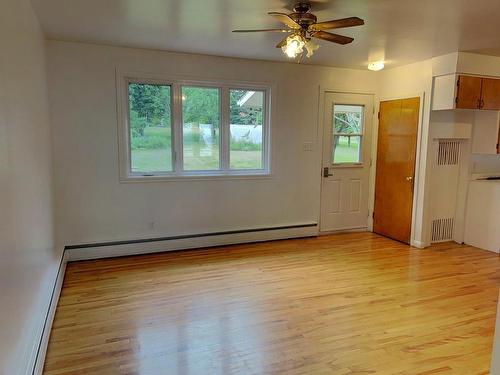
{"points": [[186, 241]]}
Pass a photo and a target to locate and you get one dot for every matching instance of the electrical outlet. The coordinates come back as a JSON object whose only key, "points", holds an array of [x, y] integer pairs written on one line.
{"points": [[307, 146]]}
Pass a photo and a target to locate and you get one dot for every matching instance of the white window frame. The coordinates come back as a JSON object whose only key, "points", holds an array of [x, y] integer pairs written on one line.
{"points": [[176, 83]]}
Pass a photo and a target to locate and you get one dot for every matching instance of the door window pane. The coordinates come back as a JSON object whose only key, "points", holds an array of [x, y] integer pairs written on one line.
{"points": [[200, 128], [347, 149], [246, 128], [347, 133], [150, 127]]}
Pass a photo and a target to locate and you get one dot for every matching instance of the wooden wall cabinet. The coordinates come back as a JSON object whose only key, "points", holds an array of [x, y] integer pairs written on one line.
{"points": [[478, 93], [490, 93], [458, 91], [466, 92]]}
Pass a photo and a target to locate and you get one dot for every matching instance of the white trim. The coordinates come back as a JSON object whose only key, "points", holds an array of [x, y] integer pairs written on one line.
{"points": [[177, 151], [225, 131], [188, 243], [346, 230], [176, 82], [495, 356], [49, 318], [416, 193], [418, 244]]}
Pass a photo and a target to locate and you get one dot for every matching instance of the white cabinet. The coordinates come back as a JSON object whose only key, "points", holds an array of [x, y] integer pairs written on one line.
{"points": [[444, 92], [485, 132], [482, 218]]}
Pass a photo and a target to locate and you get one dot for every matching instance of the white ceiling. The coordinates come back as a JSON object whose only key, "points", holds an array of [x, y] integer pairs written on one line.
{"points": [[399, 31]]}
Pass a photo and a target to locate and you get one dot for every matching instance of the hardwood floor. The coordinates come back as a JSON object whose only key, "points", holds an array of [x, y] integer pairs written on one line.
{"points": [[342, 304]]}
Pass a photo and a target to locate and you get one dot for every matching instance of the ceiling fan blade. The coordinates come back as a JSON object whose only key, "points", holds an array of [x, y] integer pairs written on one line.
{"points": [[282, 43], [335, 38], [285, 19], [337, 24], [262, 30]]}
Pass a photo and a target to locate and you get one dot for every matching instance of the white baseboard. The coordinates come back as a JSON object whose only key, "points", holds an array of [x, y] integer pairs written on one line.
{"points": [[151, 247], [136, 248], [418, 244], [54, 299], [346, 230]]}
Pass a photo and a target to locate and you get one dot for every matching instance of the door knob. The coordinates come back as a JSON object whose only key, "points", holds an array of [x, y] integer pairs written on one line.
{"points": [[326, 172], [409, 178]]}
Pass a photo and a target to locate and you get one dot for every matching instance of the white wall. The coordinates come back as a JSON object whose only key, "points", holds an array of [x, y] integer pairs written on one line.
{"points": [[93, 205], [28, 261]]}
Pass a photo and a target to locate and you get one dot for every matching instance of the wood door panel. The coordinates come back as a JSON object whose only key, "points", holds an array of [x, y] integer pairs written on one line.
{"points": [[469, 92], [397, 141], [490, 94]]}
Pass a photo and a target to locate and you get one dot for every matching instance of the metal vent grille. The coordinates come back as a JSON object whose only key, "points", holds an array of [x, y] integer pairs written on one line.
{"points": [[448, 152], [442, 230]]}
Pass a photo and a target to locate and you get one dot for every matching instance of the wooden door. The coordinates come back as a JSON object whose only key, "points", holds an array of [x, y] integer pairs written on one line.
{"points": [[396, 153], [346, 161], [490, 98], [468, 92]]}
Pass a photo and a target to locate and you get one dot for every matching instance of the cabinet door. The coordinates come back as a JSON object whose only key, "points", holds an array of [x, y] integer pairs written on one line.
{"points": [[498, 142], [469, 92], [490, 94]]}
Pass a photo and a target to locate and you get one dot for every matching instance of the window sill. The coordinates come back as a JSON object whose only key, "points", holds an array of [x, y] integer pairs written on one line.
{"points": [[348, 165], [197, 177]]}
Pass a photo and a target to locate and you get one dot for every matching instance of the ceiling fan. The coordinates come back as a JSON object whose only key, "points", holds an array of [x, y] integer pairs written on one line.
{"points": [[302, 26]]}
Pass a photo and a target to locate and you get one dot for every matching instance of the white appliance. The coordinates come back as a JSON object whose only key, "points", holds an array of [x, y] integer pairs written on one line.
{"points": [[482, 219]]}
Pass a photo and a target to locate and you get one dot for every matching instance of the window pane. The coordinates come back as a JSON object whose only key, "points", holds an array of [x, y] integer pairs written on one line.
{"points": [[348, 119], [150, 127], [246, 127], [346, 149], [200, 128]]}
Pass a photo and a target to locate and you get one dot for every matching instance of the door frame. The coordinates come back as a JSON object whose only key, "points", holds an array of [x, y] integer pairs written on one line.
{"points": [[418, 179], [323, 90]]}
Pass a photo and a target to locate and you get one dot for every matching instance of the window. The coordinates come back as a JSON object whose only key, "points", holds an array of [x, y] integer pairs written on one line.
{"points": [[347, 134], [192, 128], [150, 128], [246, 129], [200, 128]]}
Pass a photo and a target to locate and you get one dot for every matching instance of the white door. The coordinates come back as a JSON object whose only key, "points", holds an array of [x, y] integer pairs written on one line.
{"points": [[346, 161]]}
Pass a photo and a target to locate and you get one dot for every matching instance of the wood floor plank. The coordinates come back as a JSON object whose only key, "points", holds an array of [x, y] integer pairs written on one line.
{"points": [[342, 304]]}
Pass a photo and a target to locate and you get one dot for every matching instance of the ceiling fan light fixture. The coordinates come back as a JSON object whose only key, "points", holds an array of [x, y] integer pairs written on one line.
{"points": [[304, 26], [376, 66], [311, 47], [294, 46]]}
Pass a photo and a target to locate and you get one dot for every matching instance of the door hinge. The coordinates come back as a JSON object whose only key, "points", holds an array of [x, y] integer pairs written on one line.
{"points": [[378, 115]]}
